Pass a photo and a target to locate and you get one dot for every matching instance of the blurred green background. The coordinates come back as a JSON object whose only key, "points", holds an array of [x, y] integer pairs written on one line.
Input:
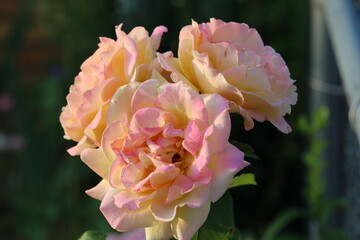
{"points": [[42, 45]]}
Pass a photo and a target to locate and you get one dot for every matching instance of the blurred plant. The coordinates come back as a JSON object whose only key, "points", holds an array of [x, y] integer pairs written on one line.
{"points": [[75, 27], [275, 230], [42, 188], [6, 102], [11, 142], [320, 207]]}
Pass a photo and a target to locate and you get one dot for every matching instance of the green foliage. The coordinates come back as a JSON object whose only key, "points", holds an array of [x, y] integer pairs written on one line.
{"points": [[320, 208], [243, 179], [76, 26], [318, 122], [44, 186], [246, 149], [93, 235], [220, 223], [280, 222], [195, 237], [315, 190], [334, 234]]}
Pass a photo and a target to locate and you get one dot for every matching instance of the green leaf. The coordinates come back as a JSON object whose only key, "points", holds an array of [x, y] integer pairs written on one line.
{"points": [[247, 149], [220, 222], [92, 235], [321, 118], [243, 179], [280, 222], [304, 125], [195, 237]]}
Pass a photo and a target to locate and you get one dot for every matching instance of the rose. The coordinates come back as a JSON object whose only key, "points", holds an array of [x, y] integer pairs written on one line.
{"points": [[137, 234], [164, 157], [114, 64], [230, 59]]}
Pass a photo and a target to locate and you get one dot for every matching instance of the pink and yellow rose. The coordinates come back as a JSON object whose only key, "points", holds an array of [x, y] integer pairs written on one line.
{"points": [[164, 157], [230, 59], [115, 63], [156, 127]]}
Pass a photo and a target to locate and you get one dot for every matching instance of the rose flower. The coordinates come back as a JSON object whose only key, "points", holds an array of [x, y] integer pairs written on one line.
{"points": [[164, 157], [230, 59], [114, 64]]}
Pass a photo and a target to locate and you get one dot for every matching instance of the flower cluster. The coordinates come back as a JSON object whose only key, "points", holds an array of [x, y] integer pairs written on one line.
{"points": [[156, 128]]}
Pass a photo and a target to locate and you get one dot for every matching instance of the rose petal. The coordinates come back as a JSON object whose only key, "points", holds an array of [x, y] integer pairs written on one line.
{"points": [[137, 234], [162, 212], [237, 33], [98, 192], [182, 101], [219, 119], [163, 175], [189, 220], [224, 166], [158, 231], [156, 36], [145, 95], [171, 64], [123, 219], [116, 130], [120, 103], [147, 118], [131, 174], [97, 161], [193, 137]]}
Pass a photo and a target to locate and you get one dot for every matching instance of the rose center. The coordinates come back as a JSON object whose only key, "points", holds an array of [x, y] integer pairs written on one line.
{"points": [[176, 158]]}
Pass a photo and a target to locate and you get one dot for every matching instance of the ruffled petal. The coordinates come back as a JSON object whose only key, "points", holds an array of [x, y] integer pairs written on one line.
{"points": [[120, 104], [189, 220], [181, 101], [97, 161], [224, 167], [123, 219], [158, 231], [98, 192]]}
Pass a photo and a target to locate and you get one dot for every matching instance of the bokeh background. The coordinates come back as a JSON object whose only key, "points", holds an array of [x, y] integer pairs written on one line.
{"points": [[42, 45]]}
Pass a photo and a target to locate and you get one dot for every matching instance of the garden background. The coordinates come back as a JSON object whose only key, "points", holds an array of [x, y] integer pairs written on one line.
{"points": [[42, 45]]}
